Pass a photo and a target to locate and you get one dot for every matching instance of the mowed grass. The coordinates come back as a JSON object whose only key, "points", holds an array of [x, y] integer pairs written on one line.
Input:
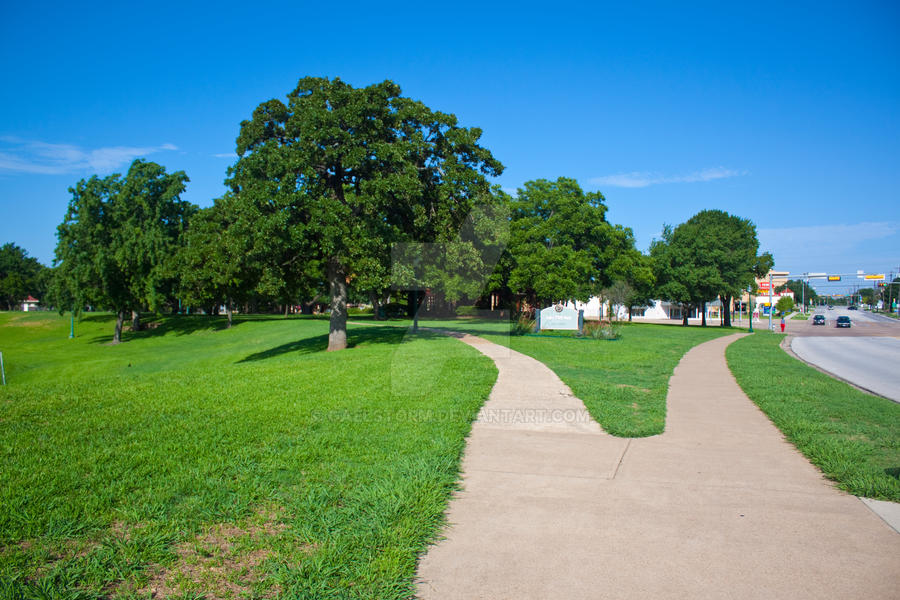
{"points": [[852, 436], [193, 461], [623, 383]]}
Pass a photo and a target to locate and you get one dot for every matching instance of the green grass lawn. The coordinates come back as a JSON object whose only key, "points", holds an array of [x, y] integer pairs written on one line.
{"points": [[248, 462], [623, 383], [800, 317], [852, 436]]}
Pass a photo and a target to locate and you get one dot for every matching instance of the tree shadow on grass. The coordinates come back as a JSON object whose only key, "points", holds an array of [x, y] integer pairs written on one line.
{"points": [[154, 327], [157, 326], [361, 336]]}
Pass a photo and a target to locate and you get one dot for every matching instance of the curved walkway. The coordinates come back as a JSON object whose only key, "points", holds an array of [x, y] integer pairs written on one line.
{"points": [[720, 505]]}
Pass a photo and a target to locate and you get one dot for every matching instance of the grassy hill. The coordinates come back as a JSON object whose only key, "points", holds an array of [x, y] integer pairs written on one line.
{"points": [[242, 462]]}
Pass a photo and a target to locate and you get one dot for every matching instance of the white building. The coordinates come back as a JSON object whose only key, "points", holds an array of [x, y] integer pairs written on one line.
{"points": [[659, 310], [30, 303]]}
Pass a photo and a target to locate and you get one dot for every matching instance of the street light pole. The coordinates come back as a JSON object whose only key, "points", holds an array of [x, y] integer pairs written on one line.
{"points": [[803, 294], [771, 308], [72, 324], [749, 309]]}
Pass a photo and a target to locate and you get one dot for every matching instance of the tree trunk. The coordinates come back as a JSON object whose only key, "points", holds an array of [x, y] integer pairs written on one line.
{"points": [[229, 310], [727, 311], [373, 298], [337, 283], [703, 312], [120, 319], [287, 308], [135, 320], [630, 310], [685, 309]]}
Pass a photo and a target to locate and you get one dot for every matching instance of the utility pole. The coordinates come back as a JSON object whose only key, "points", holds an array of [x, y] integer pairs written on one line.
{"points": [[771, 308]]}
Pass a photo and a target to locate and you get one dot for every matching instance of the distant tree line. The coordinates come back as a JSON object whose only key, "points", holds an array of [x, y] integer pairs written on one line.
{"points": [[344, 194]]}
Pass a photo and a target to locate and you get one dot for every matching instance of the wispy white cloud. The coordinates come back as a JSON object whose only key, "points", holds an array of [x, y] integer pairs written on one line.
{"points": [[639, 179], [28, 156], [226, 155]]}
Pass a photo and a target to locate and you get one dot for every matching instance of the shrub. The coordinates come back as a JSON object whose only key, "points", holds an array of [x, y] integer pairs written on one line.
{"points": [[522, 325], [393, 310], [466, 311], [600, 330]]}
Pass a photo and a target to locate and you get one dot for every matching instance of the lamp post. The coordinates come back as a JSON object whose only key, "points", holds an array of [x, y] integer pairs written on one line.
{"points": [[72, 324], [803, 295], [750, 308], [771, 327]]}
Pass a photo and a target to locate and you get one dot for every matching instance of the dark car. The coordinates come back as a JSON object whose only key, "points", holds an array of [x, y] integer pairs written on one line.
{"points": [[843, 321], [852, 308], [819, 320]]}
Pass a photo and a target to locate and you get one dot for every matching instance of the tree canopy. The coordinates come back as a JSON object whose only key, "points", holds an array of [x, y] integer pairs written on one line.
{"points": [[802, 291], [712, 254], [561, 247], [118, 239], [338, 174], [785, 304], [214, 262], [20, 276]]}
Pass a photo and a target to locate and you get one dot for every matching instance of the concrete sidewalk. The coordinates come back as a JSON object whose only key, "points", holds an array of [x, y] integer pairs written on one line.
{"points": [[719, 506]]}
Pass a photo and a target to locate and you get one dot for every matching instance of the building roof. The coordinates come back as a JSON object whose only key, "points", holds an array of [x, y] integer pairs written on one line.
{"points": [[31, 299]]}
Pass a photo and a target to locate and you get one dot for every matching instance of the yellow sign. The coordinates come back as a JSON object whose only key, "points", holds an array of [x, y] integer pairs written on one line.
{"points": [[876, 277], [834, 278]]}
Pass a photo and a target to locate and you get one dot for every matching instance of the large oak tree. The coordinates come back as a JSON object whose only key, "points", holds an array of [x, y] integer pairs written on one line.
{"points": [[338, 174]]}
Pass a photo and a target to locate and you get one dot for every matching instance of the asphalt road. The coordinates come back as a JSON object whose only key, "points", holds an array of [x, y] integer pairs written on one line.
{"points": [[867, 354], [862, 324]]}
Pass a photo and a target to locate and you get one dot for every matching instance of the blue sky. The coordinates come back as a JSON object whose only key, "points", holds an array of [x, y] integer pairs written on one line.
{"points": [[789, 116]]}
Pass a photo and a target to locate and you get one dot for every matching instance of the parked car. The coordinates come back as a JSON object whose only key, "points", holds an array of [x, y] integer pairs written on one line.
{"points": [[819, 320], [843, 321], [851, 307], [830, 307]]}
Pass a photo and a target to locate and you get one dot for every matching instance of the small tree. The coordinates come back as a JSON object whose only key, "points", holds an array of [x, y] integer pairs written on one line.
{"points": [[20, 276], [617, 295], [785, 304], [118, 239], [712, 254], [214, 263], [561, 246]]}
